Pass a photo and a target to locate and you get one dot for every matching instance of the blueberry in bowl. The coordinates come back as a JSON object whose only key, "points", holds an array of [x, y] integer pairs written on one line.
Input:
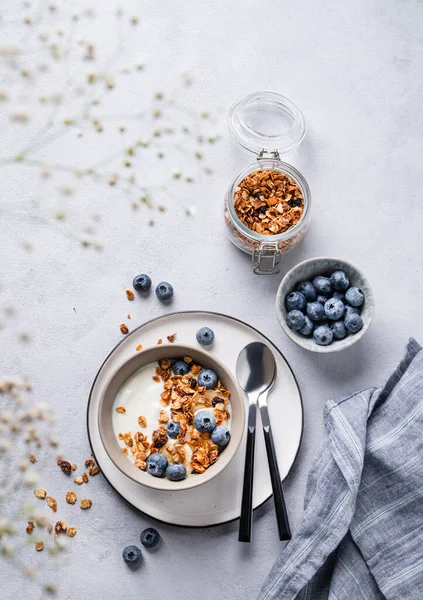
{"points": [[339, 305]]}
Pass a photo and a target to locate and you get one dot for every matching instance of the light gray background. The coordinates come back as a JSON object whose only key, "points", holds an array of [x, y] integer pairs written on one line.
{"points": [[355, 70]]}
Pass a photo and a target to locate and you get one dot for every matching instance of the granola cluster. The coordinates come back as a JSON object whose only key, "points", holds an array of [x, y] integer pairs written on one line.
{"points": [[180, 397], [41, 493], [268, 202]]}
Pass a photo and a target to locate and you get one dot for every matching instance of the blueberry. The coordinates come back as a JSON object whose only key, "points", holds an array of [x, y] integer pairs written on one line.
{"points": [[334, 309], [338, 329], [339, 296], [339, 281], [321, 298], [172, 429], [205, 336], [149, 537], [221, 436], [207, 378], [350, 310], [204, 421], [295, 301], [354, 296], [141, 283], [176, 472], [180, 367], [295, 320], [353, 322], [315, 311], [308, 290], [322, 285], [164, 291], [323, 336], [156, 464], [131, 555], [307, 328]]}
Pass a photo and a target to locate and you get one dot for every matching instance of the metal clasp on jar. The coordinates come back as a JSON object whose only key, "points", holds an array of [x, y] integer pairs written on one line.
{"points": [[272, 154], [266, 259]]}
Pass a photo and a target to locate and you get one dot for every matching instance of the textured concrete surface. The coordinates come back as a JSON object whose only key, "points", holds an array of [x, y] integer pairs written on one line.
{"points": [[355, 70]]}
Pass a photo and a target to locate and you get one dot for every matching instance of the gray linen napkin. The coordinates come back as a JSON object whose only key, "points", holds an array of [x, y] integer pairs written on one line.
{"points": [[361, 536]]}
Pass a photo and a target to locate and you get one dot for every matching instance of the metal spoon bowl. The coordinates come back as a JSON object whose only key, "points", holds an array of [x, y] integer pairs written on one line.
{"points": [[255, 368]]}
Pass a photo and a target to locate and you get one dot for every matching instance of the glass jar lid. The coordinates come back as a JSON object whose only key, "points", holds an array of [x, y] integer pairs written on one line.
{"points": [[266, 123]]}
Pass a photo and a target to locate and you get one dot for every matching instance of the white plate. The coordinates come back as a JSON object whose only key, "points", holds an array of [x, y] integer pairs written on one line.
{"points": [[219, 500]]}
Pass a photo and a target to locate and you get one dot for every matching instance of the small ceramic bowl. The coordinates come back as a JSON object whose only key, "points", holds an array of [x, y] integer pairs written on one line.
{"points": [[152, 355], [308, 270]]}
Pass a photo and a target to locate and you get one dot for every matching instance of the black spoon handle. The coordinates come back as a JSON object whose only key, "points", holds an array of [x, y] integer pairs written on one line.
{"points": [[278, 496], [247, 489]]}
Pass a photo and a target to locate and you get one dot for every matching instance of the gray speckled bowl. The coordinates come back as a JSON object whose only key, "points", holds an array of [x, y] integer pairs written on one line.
{"points": [[308, 270]]}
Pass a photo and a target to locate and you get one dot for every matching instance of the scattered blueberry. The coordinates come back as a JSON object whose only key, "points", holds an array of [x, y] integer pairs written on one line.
{"points": [[351, 310], [221, 436], [176, 472], [295, 301], [353, 322], [164, 291], [204, 421], [338, 329], [323, 336], [295, 320], [308, 290], [315, 311], [156, 464], [321, 298], [339, 281], [207, 378], [180, 367], [354, 296], [172, 429], [339, 296], [205, 336], [131, 555], [322, 284], [334, 309], [149, 537], [141, 283], [307, 328]]}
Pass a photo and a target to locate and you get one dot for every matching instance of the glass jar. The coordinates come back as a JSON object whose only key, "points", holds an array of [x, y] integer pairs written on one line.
{"points": [[269, 126]]}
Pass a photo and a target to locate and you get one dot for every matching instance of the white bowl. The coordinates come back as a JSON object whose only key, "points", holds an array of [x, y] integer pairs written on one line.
{"points": [[152, 355], [307, 271]]}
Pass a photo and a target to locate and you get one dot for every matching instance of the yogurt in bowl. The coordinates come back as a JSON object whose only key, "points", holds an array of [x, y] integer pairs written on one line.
{"points": [[165, 422]]}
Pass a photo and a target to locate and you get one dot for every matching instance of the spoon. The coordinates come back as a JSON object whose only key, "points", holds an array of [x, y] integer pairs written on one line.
{"points": [[256, 373]]}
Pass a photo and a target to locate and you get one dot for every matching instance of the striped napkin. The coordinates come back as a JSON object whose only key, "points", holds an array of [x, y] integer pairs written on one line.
{"points": [[361, 537]]}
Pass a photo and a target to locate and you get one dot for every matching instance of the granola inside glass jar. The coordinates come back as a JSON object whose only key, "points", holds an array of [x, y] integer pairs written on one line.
{"points": [[267, 207]]}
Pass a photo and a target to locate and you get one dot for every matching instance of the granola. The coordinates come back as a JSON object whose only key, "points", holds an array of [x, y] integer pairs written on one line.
{"points": [[85, 503], [181, 397], [30, 527], [71, 531], [71, 497], [65, 466], [51, 502], [40, 493], [39, 546], [268, 202], [142, 421], [59, 528]]}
